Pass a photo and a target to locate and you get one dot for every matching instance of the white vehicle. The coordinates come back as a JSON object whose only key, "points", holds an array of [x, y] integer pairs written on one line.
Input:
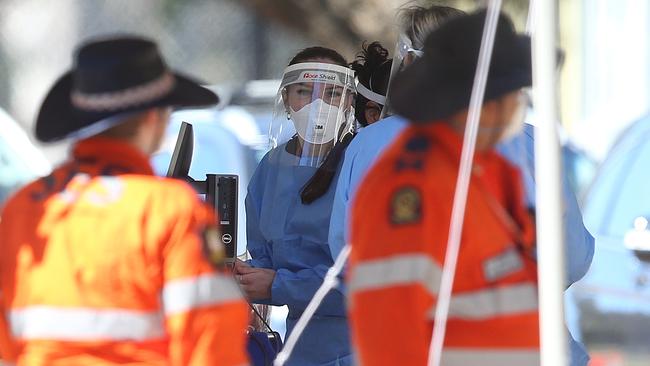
{"points": [[613, 300]]}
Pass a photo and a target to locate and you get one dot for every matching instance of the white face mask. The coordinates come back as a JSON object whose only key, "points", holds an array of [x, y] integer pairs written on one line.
{"points": [[317, 122]]}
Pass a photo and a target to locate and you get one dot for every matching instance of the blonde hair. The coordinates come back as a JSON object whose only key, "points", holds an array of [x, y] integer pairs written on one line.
{"points": [[416, 22]]}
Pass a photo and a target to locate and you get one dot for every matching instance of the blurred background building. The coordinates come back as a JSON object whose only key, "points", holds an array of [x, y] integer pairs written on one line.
{"points": [[222, 41], [604, 82], [233, 41]]}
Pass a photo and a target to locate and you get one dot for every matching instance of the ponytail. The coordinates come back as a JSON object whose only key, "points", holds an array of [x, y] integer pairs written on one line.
{"points": [[372, 68]]}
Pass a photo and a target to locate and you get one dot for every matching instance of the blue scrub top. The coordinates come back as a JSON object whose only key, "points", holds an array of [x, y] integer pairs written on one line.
{"points": [[291, 238], [371, 141]]}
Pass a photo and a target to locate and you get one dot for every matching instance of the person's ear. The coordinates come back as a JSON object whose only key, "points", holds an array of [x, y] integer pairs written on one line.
{"points": [[372, 112]]}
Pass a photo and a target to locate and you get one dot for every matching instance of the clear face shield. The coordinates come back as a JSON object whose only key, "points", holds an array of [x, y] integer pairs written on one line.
{"points": [[403, 56], [314, 109]]}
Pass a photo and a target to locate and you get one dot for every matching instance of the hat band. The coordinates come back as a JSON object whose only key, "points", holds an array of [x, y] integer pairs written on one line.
{"points": [[138, 95]]}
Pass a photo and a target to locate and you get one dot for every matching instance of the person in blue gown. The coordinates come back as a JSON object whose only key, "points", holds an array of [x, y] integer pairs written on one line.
{"points": [[289, 203]]}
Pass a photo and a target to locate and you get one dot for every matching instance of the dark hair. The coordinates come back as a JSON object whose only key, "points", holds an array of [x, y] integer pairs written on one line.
{"points": [[417, 22], [372, 68], [322, 179], [311, 53]]}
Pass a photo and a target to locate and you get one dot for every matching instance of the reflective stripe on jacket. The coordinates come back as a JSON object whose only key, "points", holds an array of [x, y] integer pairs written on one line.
{"points": [[101, 263], [400, 224]]}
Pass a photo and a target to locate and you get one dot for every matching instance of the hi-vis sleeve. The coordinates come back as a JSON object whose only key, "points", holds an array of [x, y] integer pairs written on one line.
{"points": [[393, 279], [206, 315]]}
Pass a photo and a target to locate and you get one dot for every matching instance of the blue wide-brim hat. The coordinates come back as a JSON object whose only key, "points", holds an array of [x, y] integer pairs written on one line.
{"points": [[440, 83], [113, 77]]}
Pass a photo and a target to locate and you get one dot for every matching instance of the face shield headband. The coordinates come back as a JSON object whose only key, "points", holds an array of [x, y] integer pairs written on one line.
{"points": [[318, 72], [369, 94]]}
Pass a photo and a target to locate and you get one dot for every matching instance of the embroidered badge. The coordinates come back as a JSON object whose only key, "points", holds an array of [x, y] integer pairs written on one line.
{"points": [[406, 206], [502, 265]]}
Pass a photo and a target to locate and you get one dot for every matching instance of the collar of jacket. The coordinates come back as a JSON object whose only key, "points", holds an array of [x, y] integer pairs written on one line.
{"points": [[113, 155], [452, 142]]}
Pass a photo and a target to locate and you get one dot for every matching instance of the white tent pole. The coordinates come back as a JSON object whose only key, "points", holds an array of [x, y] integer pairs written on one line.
{"points": [[550, 233], [462, 184]]}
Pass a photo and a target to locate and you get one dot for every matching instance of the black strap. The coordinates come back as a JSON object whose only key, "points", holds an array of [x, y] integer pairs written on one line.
{"points": [[260, 317]]}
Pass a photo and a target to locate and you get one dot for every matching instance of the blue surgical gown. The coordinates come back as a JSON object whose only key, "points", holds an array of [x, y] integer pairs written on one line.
{"points": [[580, 243], [371, 141], [291, 238]]}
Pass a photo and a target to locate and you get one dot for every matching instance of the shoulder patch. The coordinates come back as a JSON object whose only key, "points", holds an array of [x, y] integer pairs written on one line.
{"points": [[406, 206]]}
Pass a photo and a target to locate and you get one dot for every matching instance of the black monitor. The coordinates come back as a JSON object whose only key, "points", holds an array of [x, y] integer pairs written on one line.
{"points": [[179, 165], [221, 191]]}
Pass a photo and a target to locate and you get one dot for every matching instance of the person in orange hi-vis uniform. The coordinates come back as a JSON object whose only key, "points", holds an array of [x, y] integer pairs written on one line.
{"points": [[102, 263], [402, 212]]}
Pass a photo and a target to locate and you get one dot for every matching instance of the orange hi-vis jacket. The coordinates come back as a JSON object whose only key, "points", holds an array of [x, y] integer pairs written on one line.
{"points": [[102, 263], [400, 225]]}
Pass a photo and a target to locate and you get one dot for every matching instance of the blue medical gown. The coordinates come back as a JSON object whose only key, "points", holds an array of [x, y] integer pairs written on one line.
{"points": [[371, 141], [291, 238], [580, 243], [362, 151]]}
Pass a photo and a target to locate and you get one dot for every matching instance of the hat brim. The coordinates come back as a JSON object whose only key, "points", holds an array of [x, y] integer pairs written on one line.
{"points": [[423, 94], [58, 119]]}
